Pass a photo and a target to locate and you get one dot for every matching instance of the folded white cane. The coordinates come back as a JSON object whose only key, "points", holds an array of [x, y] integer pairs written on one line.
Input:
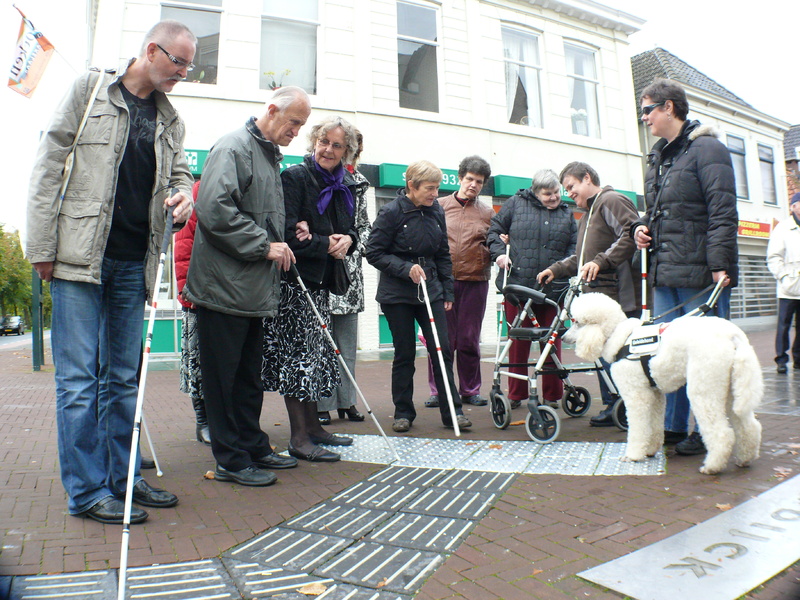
{"points": [[445, 378], [137, 418], [645, 310]]}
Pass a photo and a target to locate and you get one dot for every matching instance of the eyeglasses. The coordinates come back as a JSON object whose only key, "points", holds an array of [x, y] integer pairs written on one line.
{"points": [[178, 62], [325, 143], [646, 110]]}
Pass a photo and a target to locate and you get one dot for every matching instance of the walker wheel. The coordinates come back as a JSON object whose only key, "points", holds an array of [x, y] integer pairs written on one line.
{"points": [[620, 415], [501, 409], [546, 431], [576, 401]]}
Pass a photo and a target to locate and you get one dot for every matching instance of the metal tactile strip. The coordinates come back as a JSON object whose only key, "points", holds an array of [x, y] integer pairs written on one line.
{"points": [[373, 448], [458, 504], [424, 532], [441, 454], [80, 586], [336, 519], [181, 581], [415, 476], [259, 582], [380, 566], [290, 549], [382, 496], [503, 457], [476, 481]]}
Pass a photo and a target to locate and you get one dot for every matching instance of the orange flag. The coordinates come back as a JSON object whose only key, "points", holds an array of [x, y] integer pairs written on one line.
{"points": [[30, 58]]}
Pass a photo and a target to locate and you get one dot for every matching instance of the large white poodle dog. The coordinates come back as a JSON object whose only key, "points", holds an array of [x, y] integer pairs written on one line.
{"points": [[710, 355]]}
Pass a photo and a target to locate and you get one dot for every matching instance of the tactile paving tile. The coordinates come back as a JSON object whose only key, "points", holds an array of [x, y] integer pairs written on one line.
{"points": [[384, 567], [92, 584], [503, 457], [424, 532], [181, 581], [290, 549], [373, 448], [416, 476], [610, 463], [383, 496], [344, 591], [255, 581], [576, 449], [458, 504], [563, 465], [341, 520], [440, 454], [476, 481]]}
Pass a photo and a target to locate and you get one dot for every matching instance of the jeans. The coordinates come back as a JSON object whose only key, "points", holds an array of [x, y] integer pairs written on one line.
{"points": [[401, 318], [788, 311], [97, 340], [464, 323], [676, 417]]}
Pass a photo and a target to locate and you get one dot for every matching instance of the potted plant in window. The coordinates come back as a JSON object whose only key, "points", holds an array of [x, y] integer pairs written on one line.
{"points": [[274, 83]]}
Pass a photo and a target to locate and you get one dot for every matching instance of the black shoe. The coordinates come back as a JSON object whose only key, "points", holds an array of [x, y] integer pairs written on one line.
{"points": [[691, 445], [782, 369], [146, 495], [674, 437], [516, 403], [476, 400], [463, 422], [147, 463], [432, 402], [351, 413], [250, 475], [324, 417], [203, 435], [796, 366], [111, 510], [331, 439], [275, 461], [604, 419], [318, 454]]}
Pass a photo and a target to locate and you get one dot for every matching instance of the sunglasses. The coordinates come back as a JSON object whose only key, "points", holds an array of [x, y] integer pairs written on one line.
{"points": [[646, 110]]}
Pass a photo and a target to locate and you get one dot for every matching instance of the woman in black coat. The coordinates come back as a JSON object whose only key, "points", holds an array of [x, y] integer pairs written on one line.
{"points": [[409, 243], [691, 224], [298, 360]]}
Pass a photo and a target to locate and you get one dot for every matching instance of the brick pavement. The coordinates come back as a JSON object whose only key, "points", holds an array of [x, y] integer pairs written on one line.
{"points": [[543, 530]]}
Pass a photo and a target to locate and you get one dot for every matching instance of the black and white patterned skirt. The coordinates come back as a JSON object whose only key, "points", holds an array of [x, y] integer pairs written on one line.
{"points": [[191, 380], [298, 358]]}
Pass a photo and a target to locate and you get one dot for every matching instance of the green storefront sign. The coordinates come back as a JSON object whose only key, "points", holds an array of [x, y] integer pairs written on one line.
{"points": [[197, 160], [394, 176]]}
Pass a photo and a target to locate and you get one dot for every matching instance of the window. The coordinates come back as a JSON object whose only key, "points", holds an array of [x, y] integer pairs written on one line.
{"points": [[204, 23], [766, 161], [582, 78], [523, 94], [289, 44], [418, 79], [736, 147]]}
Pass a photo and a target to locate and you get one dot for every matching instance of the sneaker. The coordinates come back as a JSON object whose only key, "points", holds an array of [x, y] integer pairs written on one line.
{"points": [[476, 400], [401, 425], [552, 404], [432, 402], [782, 369], [691, 445], [516, 403]]}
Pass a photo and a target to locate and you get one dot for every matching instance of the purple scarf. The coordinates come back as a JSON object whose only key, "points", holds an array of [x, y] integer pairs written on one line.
{"points": [[333, 182]]}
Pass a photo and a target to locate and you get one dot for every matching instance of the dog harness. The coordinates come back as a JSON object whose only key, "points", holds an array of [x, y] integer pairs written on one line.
{"points": [[642, 345]]}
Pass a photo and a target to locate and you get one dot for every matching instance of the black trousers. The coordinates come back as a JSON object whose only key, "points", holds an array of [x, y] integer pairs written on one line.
{"points": [[230, 363], [788, 311], [401, 319]]}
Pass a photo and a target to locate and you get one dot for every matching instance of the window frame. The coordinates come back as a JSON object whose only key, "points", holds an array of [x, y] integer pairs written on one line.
{"points": [[296, 21], [538, 69], [773, 201], [583, 79], [737, 152], [199, 7], [436, 9]]}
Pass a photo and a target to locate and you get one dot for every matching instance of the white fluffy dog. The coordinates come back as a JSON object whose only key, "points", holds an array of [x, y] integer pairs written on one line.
{"points": [[710, 355]]}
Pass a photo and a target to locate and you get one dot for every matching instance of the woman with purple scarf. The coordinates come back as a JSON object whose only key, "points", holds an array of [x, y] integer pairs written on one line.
{"points": [[298, 360]]}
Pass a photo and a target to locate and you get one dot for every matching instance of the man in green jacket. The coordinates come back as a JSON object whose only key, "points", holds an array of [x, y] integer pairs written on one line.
{"points": [[234, 280], [98, 247]]}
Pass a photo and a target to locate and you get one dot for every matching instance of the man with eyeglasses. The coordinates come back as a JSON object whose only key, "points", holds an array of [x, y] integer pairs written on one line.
{"points": [[98, 246]]}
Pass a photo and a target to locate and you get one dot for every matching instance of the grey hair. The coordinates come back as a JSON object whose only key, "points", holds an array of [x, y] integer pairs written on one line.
{"points": [[164, 31], [545, 179], [321, 129], [284, 97]]}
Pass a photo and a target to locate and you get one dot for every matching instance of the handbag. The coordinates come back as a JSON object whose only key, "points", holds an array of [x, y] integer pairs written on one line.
{"points": [[340, 278]]}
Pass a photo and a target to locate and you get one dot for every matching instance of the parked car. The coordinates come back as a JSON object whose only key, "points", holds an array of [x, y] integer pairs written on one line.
{"points": [[12, 325]]}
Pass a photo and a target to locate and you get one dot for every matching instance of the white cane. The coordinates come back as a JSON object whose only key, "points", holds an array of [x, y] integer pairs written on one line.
{"points": [[137, 417], [645, 310], [439, 353], [150, 445]]}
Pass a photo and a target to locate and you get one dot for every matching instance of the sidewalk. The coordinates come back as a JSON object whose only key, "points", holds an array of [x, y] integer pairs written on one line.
{"points": [[540, 531]]}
